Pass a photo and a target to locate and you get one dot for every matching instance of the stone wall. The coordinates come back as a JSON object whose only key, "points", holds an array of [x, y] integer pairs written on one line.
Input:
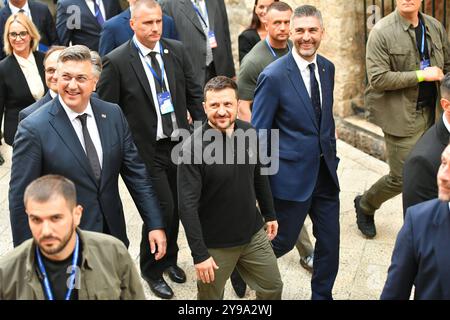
{"points": [[343, 43]]}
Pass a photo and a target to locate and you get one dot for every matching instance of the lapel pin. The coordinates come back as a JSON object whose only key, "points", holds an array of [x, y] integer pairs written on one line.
{"points": [[166, 51], [103, 115], [323, 69]]}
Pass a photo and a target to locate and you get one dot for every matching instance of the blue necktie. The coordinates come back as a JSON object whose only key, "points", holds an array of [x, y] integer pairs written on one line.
{"points": [[315, 93], [98, 13]]}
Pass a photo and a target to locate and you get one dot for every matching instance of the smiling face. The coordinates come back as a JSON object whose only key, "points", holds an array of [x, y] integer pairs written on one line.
{"points": [[76, 82], [50, 70], [53, 224], [306, 33], [221, 108], [261, 9], [20, 39]]}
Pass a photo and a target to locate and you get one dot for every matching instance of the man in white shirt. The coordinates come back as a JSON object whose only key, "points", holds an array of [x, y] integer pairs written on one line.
{"points": [[88, 141]]}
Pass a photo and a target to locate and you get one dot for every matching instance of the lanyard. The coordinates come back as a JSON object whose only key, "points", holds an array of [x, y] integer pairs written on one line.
{"points": [[48, 290], [160, 80], [200, 14], [422, 48], [271, 49]]}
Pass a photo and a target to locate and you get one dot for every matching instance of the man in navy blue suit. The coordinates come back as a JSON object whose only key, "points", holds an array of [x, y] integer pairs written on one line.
{"points": [[117, 30], [39, 14], [294, 96], [80, 21], [88, 141], [421, 256]]}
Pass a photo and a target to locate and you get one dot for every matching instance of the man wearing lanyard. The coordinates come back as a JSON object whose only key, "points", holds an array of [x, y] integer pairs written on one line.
{"points": [[62, 262], [202, 26], [153, 81], [262, 54], [407, 55]]}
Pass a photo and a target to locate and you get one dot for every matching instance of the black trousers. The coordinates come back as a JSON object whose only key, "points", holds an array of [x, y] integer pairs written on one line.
{"points": [[164, 180]]}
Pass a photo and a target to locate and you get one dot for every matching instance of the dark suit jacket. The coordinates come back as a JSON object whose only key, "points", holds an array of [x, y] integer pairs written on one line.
{"points": [[14, 92], [421, 256], [46, 143], [246, 41], [422, 165], [30, 109], [123, 81], [41, 17], [117, 31], [191, 33], [88, 32], [282, 102]]}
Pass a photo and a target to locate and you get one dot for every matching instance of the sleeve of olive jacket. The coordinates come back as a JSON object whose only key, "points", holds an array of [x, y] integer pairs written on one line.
{"points": [[130, 286], [379, 72], [446, 48]]}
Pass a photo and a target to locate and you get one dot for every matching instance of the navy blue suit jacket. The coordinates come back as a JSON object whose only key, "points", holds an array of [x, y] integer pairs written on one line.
{"points": [[46, 143], [42, 18], [282, 102], [421, 254], [88, 31], [32, 108], [117, 31]]}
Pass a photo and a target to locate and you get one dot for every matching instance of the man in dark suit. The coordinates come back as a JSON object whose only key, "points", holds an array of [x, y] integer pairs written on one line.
{"points": [[39, 14], [88, 141], [421, 257], [153, 81], [117, 30], [80, 21], [203, 28], [422, 164], [50, 62], [294, 96]]}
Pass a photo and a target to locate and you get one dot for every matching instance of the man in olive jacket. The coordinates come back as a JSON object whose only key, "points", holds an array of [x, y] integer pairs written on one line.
{"points": [[62, 262], [407, 55]]}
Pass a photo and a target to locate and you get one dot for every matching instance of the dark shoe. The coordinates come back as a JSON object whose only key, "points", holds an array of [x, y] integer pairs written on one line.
{"points": [[365, 222], [176, 274], [238, 283], [160, 288], [307, 262]]}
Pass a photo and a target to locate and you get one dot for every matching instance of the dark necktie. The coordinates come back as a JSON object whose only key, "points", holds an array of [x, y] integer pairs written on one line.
{"points": [[166, 119], [98, 13], [22, 11], [90, 148], [315, 93]]}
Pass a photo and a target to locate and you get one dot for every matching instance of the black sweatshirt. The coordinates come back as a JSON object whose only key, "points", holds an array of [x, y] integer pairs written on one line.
{"points": [[217, 201]]}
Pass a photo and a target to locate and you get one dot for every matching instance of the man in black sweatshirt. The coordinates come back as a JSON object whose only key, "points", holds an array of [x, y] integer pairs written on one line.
{"points": [[219, 182]]}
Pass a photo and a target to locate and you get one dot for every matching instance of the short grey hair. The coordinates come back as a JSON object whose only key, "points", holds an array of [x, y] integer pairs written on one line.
{"points": [[50, 186], [96, 63], [82, 53], [307, 11], [445, 87], [140, 3]]}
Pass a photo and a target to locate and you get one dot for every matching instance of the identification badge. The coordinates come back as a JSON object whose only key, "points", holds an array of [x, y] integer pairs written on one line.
{"points": [[165, 103], [425, 64], [212, 39]]}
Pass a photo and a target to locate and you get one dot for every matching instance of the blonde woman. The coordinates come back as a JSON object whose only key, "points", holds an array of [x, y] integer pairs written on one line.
{"points": [[22, 80]]}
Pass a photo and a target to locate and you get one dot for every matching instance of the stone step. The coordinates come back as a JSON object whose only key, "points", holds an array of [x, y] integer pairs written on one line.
{"points": [[363, 135]]}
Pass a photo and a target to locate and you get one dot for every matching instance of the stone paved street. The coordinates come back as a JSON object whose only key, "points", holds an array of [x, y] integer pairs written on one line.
{"points": [[363, 263]]}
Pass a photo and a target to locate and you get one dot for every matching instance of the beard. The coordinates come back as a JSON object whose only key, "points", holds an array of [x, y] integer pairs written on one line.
{"points": [[59, 247]]}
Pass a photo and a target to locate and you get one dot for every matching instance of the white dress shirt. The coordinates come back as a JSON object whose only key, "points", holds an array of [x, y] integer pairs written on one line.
{"points": [[25, 8], [145, 59], [90, 4], [91, 126], [32, 76], [53, 94], [446, 124], [302, 65]]}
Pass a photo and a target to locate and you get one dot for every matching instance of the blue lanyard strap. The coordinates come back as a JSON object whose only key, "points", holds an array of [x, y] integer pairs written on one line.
{"points": [[422, 48], [160, 80], [271, 49], [200, 14], [48, 290]]}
